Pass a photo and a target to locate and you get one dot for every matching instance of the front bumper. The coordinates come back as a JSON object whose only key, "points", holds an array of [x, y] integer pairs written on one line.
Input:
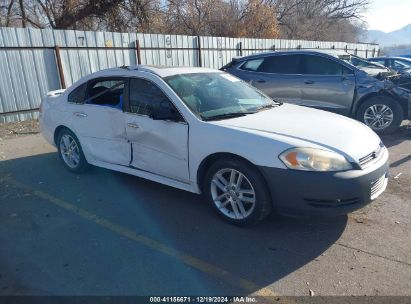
{"points": [[302, 193]]}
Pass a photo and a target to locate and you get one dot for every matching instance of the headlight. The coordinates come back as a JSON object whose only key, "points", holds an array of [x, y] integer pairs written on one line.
{"points": [[310, 159]]}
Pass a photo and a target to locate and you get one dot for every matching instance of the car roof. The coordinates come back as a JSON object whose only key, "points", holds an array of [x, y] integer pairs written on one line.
{"points": [[332, 52], [161, 71], [391, 57], [329, 52]]}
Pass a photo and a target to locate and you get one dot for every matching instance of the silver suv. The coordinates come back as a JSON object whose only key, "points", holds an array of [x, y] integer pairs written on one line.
{"points": [[328, 80]]}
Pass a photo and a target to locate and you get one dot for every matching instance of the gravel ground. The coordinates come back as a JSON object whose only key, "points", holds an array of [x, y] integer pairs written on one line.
{"points": [[20, 128]]}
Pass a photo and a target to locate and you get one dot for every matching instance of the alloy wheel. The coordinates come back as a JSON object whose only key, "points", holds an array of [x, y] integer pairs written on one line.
{"points": [[70, 151], [233, 193], [378, 116]]}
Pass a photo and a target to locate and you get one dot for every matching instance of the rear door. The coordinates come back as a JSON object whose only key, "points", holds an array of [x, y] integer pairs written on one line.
{"points": [[98, 120], [327, 84], [279, 76]]}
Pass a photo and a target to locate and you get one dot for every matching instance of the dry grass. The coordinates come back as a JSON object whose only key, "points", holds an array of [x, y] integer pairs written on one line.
{"points": [[15, 129]]}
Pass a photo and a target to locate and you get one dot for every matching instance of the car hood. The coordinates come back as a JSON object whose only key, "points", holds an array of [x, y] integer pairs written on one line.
{"points": [[376, 71], [305, 127]]}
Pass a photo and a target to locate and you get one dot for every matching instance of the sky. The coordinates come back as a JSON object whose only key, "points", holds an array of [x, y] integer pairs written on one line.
{"points": [[388, 15]]}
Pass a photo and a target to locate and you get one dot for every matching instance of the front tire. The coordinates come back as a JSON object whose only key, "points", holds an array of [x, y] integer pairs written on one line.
{"points": [[383, 114], [70, 151], [238, 192]]}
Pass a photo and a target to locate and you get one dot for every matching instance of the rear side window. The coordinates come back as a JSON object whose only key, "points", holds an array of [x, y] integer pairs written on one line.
{"points": [[77, 95], [252, 65], [317, 65], [107, 92], [281, 64]]}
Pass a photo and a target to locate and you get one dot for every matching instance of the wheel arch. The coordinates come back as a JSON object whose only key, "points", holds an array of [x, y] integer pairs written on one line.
{"points": [[383, 93], [58, 130], [212, 158]]}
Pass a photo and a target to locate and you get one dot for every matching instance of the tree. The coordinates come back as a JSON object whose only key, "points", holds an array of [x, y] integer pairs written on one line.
{"points": [[8, 13], [258, 20], [221, 18], [293, 19], [320, 19]]}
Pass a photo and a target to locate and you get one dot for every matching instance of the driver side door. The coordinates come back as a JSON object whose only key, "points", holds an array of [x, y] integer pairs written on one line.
{"points": [[158, 146]]}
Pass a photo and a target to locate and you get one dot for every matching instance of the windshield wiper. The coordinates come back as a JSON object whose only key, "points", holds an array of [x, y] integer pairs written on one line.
{"points": [[228, 115], [269, 106]]}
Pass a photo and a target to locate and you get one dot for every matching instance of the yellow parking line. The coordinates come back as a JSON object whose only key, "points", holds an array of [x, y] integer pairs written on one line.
{"points": [[194, 262]]}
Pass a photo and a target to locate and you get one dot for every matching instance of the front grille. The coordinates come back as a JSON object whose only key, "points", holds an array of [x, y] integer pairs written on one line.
{"points": [[370, 158], [377, 186], [323, 203]]}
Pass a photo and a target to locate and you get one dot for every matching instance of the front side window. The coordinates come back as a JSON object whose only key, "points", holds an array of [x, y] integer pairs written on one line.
{"points": [[78, 94], [213, 96], [107, 92], [145, 97], [358, 61], [317, 65], [281, 64]]}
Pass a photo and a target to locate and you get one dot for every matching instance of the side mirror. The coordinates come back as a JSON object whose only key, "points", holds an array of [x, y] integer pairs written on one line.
{"points": [[165, 111]]}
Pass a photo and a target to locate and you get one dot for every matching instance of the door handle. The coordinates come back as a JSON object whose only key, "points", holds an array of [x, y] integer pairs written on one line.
{"points": [[80, 114], [309, 81], [260, 81], [133, 125]]}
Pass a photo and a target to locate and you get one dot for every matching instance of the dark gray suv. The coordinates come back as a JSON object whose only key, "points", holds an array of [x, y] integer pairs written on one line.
{"points": [[328, 80]]}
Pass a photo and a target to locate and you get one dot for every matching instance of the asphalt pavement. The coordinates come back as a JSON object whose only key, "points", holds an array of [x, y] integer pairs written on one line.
{"points": [[108, 233]]}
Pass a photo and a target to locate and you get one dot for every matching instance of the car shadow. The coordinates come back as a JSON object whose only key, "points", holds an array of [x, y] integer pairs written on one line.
{"points": [[183, 221], [396, 138]]}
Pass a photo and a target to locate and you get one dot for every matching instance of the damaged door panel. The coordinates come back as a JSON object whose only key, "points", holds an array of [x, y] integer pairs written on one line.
{"points": [[101, 131], [158, 145], [99, 121]]}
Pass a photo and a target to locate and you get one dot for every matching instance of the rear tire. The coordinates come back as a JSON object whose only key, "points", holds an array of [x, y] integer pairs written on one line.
{"points": [[237, 191], [70, 151], [383, 114]]}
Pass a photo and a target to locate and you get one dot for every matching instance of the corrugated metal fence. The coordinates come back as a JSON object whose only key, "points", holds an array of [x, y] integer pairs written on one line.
{"points": [[33, 61]]}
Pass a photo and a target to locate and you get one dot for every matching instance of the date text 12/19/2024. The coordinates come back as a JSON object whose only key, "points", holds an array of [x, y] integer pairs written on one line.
{"points": [[200, 299]]}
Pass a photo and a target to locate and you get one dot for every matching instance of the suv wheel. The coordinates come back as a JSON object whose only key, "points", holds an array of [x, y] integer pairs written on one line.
{"points": [[381, 113], [70, 151], [238, 192]]}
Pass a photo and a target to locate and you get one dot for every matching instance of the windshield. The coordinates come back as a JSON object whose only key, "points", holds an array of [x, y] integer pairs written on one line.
{"points": [[404, 63], [218, 95], [359, 62]]}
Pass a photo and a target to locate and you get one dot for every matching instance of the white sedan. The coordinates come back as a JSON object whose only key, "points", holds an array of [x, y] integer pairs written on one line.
{"points": [[208, 132]]}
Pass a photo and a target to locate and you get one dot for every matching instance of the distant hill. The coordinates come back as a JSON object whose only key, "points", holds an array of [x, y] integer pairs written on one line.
{"points": [[398, 37]]}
